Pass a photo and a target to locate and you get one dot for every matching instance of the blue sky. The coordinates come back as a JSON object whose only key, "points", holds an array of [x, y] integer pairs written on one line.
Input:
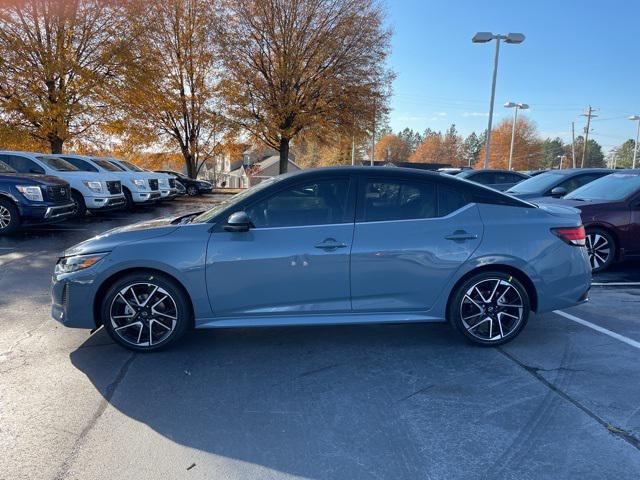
{"points": [[576, 53]]}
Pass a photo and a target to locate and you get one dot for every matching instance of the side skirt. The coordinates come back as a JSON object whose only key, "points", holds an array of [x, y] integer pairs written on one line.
{"points": [[317, 319]]}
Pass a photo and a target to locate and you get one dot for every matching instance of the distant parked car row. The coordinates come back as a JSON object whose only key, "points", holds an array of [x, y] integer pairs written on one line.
{"points": [[43, 188]]}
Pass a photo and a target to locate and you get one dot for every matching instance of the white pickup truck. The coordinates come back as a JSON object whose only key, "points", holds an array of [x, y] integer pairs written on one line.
{"points": [[135, 186], [164, 181], [89, 190]]}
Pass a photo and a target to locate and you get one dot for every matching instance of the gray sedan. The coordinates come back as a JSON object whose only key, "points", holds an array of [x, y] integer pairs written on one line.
{"points": [[556, 183], [331, 246]]}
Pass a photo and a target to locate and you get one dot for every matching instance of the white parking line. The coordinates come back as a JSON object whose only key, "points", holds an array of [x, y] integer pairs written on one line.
{"points": [[615, 284], [597, 328]]}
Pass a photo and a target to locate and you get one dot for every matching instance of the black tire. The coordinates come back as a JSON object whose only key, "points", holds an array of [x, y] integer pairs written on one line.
{"points": [[128, 198], [602, 249], [149, 328], [9, 217], [80, 207], [192, 190], [490, 323]]}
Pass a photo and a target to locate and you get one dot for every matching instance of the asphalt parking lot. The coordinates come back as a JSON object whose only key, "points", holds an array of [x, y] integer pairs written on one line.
{"points": [[384, 402]]}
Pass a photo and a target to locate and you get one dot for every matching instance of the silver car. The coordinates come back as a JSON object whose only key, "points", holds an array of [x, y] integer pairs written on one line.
{"points": [[331, 246]]}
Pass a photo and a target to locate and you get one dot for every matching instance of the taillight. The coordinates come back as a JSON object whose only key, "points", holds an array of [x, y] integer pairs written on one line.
{"points": [[572, 235]]}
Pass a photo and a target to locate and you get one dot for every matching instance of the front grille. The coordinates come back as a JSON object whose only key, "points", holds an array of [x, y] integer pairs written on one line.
{"points": [[114, 187], [153, 183], [58, 193], [172, 182]]}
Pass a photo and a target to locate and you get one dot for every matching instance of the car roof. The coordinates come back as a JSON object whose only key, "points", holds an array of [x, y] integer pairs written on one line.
{"points": [[574, 171]]}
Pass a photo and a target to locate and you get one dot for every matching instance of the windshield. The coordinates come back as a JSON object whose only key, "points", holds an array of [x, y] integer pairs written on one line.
{"points": [[81, 164], [4, 168], [614, 187], [131, 166], [538, 184], [209, 214], [58, 164], [107, 166]]}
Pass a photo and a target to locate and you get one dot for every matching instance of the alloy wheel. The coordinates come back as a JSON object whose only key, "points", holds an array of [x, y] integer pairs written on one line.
{"points": [[491, 309], [5, 217], [599, 250], [143, 314]]}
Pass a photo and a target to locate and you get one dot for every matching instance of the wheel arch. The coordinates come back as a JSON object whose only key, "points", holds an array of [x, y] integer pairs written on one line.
{"points": [[114, 277], [11, 198], [515, 272]]}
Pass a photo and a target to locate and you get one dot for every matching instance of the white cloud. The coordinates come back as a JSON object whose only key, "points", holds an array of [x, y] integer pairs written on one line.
{"points": [[475, 114]]}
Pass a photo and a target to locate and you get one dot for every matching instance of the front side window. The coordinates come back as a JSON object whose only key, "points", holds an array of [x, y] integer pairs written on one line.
{"points": [[81, 164], [399, 200], [320, 202], [109, 167], [22, 164], [578, 181], [58, 164]]}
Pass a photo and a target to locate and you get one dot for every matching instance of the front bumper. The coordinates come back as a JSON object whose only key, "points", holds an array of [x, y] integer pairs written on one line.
{"points": [[145, 197], [46, 213], [69, 304], [114, 202], [167, 194]]}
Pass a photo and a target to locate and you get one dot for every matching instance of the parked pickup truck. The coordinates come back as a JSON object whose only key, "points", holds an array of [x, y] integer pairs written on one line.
{"points": [[89, 191], [136, 187], [31, 199], [160, 180]]}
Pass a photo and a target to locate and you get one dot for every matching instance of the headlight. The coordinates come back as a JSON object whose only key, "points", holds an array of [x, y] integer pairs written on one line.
{"points": [[30, 192], [93, 186], [138, 182], [204, 184], [77, 262]]}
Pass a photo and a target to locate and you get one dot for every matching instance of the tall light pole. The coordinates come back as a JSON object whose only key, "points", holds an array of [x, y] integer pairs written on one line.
{"points": [[516, 107], [636, 118], [485, 37]]}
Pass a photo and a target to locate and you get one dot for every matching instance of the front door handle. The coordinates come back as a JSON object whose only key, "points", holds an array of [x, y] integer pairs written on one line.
{"points": [[330, 244], [461, 236]]}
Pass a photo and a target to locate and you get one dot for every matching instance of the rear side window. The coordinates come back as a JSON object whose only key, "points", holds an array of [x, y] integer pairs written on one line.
{"points": [[449, 200], [22, 164], [580, 180], [320, 202], [399, 200], [484, 178]]}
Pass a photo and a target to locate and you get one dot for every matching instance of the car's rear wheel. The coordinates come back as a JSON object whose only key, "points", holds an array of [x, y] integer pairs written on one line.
{"points": [[601, 248], [9, 217], [145, 311], [490, 308], [128, 199], [79, 206]]}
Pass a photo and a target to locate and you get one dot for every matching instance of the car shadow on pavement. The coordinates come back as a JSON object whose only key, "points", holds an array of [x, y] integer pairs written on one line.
{"points": [[319, 402]]}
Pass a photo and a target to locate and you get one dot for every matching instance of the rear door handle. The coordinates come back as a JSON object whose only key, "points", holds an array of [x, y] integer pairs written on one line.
{"points": [[330, 244], [461, 236]]}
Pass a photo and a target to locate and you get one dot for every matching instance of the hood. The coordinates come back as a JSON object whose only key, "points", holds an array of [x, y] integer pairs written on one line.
{"points": [[33, 179], [110, 239], [93, 176]]}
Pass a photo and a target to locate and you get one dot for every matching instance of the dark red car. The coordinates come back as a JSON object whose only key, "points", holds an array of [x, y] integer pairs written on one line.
{"points": [[610, 209]]}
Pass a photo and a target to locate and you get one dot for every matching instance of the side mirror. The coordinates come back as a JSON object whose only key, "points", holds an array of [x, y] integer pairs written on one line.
{"points": [[238, 222], [559, 192]]}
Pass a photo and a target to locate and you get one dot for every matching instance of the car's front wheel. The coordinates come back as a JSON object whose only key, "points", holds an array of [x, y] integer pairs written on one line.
{"points": [[490, 308], [145, 311], [9, 217], [192, 190]]}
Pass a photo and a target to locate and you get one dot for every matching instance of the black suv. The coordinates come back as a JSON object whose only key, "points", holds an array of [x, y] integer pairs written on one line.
{"points": [[28, 199], [193, 187]]}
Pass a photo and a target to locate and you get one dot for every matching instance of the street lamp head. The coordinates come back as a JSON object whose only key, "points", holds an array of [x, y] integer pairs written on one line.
{"points": [[483, 37], [509, 105], [523, 106], [514, 38], [634, 117]]}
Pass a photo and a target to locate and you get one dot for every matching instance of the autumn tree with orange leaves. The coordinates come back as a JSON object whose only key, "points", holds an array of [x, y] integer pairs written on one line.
{"points": [[392, 148], [527, 150]]}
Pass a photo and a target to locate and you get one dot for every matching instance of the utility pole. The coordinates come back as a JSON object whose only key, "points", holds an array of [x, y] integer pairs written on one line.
{"points": [[373, 134], [589, 114], [636, 118], [561, 157], [353, 151], [573, 143]]}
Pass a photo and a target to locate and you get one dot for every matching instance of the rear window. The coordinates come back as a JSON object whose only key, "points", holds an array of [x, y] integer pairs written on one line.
{"points": [[58, 164]]}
